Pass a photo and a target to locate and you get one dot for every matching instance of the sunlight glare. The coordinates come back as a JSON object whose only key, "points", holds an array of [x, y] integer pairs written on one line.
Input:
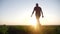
{"points": [[33, 21]]}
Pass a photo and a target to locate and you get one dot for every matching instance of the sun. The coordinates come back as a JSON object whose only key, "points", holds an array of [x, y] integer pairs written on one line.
{"points": [[30, 21], [33, 21]]}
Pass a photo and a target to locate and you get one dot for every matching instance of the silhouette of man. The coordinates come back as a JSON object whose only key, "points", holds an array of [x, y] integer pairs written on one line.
{"points": [[38, 12]]}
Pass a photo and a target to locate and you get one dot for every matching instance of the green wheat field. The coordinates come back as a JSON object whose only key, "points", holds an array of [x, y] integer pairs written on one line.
{"points": [[23, 29]]}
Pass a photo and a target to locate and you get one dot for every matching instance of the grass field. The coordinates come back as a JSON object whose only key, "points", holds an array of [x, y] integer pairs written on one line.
{"points": [[19, 29]]}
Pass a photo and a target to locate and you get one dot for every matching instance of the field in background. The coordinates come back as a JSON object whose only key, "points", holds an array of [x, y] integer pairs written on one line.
{"points": [[19, 29]]}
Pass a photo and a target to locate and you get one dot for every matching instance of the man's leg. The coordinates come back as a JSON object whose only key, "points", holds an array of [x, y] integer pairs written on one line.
{"points": [[38, 22], [39, 28]]}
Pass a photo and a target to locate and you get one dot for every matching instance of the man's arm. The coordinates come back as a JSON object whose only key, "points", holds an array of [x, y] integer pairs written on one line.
{"points": [[42, 13], [32, 13]]}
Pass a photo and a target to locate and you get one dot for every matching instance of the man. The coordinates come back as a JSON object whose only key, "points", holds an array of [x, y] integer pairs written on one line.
{"points": [[38, 12]]}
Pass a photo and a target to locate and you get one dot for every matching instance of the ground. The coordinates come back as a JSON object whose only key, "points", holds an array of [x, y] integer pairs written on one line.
{"points": [[20, 29]]}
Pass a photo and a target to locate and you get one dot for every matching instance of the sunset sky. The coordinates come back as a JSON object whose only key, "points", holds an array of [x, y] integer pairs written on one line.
{"points": [[18, 12]]}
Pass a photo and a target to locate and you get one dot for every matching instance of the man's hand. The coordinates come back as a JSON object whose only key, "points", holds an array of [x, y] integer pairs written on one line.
{"points": [[42, 16], [31, 15]]}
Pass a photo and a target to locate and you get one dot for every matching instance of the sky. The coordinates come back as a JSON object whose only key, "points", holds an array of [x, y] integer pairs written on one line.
{"points": [[18, 12]]}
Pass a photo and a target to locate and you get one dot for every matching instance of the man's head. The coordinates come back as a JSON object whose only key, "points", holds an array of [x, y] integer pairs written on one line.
{"points": [[36, 4]]}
